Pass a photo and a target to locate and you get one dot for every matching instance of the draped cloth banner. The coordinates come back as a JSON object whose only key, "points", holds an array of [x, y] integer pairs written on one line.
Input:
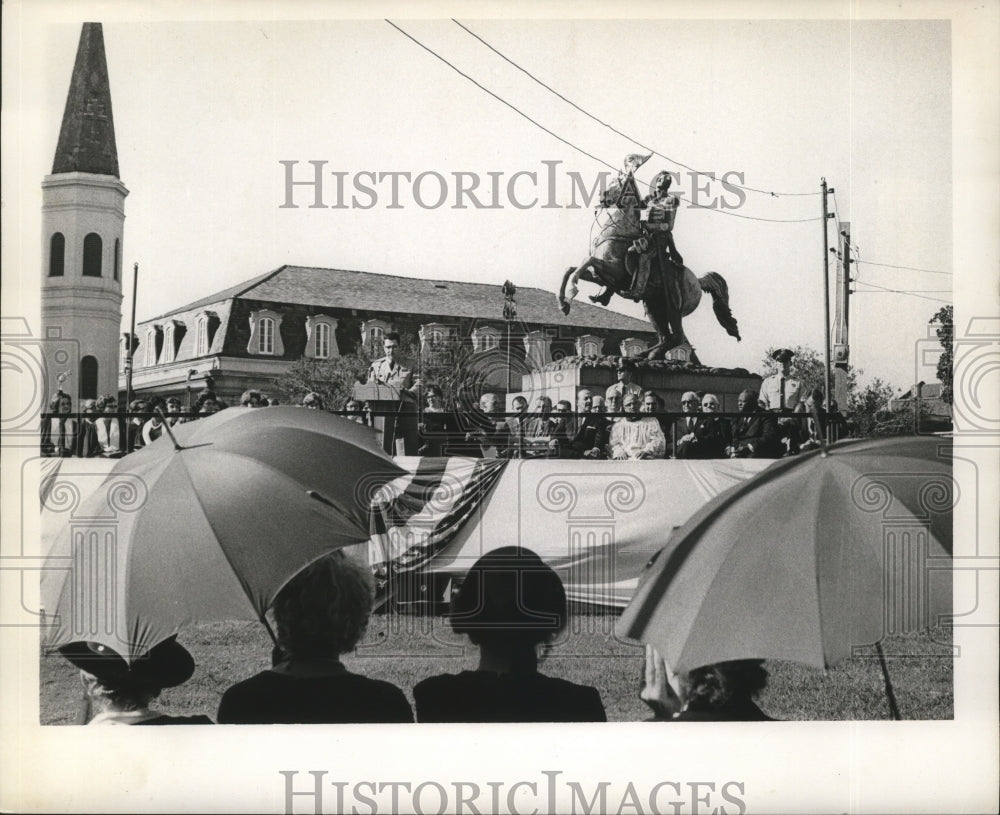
{"points": [[596, 522]]}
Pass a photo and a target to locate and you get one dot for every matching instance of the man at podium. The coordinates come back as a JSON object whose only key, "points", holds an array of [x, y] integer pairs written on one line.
{"points": [[389, 370]]}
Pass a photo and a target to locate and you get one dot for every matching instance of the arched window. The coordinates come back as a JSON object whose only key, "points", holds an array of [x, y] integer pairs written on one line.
{"points": [[57, 255], [88, 378], [265, 333], [376, 334], [154, 339], [322, 341], [266, 338], [201, 345], [92, 250], [118, 259]]}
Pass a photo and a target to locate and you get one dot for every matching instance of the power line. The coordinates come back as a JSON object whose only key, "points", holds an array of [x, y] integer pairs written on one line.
{"points": [[613, 129], [909, 268], [883, 289], [500, 99], [580, 149]]}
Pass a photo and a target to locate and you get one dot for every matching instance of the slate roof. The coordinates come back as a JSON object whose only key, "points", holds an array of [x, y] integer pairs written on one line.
{"points": [[87, 136], [366, 291]]}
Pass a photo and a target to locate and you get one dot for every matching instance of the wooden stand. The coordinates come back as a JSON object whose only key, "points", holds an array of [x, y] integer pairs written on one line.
{"points": [[396, 431]]}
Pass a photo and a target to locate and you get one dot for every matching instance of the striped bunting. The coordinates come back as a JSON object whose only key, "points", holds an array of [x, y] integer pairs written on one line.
{"points": [[416, 515]]}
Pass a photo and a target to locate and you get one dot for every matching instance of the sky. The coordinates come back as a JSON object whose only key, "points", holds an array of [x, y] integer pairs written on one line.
{"points": [[205, 112]]}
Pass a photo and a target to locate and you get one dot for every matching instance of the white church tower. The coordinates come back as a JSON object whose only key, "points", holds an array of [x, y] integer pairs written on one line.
{"points": [[83, 218]]}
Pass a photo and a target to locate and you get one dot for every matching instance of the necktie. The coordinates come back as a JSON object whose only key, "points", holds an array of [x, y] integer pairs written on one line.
{"points": [[782, 386], [690, 424], [62, 434]]}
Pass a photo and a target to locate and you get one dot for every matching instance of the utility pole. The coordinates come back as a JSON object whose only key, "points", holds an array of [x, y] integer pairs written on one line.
{"points": [[841, 338], [131, 339], [509, 313], [826, 292]]}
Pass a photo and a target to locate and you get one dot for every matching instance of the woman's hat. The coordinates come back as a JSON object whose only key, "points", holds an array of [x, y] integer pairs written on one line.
{"points": [[165, 665]]}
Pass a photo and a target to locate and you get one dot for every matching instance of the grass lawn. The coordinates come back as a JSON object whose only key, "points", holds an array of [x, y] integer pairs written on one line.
{"points": [[404, 649]]}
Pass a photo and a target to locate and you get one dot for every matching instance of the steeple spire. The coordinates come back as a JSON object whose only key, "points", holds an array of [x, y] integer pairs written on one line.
{"points": [[87, 138]]}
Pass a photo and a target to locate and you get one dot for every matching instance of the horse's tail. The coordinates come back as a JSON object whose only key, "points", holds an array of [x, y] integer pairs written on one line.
{"points": [[715, 284]]}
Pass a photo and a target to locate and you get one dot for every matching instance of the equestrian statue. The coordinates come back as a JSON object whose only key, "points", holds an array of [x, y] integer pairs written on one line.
{"points": [[633, 255]]}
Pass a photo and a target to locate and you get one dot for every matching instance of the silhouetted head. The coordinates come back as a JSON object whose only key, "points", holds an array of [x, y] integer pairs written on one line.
{"points": [[510, 594]]}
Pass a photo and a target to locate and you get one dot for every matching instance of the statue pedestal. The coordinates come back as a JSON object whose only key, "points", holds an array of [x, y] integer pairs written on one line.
{"points": [[670, 379]]}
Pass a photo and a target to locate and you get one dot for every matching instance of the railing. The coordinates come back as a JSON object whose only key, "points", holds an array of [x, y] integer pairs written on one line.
{"points": [[454, 439]]}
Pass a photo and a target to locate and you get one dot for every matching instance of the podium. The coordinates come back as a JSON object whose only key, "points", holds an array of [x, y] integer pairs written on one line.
{"points": [[396, 431]]}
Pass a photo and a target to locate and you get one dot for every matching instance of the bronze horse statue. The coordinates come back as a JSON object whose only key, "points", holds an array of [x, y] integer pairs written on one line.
{"points": [[615, 258]]}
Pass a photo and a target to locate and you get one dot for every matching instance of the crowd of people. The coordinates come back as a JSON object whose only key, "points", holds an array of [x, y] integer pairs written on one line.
{"points": [[624, 421], [511, 606], [103, 430]]}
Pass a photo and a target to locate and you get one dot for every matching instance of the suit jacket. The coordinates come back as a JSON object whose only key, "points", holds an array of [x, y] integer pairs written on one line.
{"points": [[593, 431], [681, 429], [756, 435]]}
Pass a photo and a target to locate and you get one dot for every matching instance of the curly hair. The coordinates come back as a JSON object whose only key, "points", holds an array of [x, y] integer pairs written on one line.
{"points": [[323, 611], [714, 686], [105, 400], [55, 400], [510, 593]]}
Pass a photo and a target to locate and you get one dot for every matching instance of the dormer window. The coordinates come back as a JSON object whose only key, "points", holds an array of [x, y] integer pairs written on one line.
{"points": [[205, 325], [154, 340], [265, 333], [321, 342], [372, 334]]}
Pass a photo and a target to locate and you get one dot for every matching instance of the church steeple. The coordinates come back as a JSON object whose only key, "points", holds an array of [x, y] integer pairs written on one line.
{"points": [[87, 137], [83, 233]]}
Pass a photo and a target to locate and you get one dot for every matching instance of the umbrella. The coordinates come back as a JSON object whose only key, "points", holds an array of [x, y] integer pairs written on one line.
{"points": [[208, 524], [819, 553]]}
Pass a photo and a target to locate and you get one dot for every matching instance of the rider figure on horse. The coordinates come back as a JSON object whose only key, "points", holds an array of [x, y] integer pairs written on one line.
{"points": [[657, 224]]}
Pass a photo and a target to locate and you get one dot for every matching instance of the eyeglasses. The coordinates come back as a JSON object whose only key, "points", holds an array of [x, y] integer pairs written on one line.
{"points": [[710, 405]]}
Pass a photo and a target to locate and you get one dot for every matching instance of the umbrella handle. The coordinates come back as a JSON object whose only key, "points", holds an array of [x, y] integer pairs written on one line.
{"points": [[166, 426], [893, 707], [267, 625]]}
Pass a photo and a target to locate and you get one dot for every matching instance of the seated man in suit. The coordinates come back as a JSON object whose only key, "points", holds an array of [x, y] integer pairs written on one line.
{"points": [[685, 426], [712, 433], [755, 433]]}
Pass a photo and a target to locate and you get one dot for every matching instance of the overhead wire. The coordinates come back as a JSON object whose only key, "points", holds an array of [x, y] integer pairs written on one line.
{"points": [[883, 289], [499, 98], [580, 149], [615, 130], [908, 268]]}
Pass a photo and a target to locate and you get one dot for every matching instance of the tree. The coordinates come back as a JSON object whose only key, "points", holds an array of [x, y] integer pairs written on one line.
{"points": [[945, 318], [808, 367], [867, 407], [449, 364], [869, 410]]}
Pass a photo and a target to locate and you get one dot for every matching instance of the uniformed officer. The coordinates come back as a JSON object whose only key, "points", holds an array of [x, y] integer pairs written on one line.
{"points": [[781, 392], [389, 370]]}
